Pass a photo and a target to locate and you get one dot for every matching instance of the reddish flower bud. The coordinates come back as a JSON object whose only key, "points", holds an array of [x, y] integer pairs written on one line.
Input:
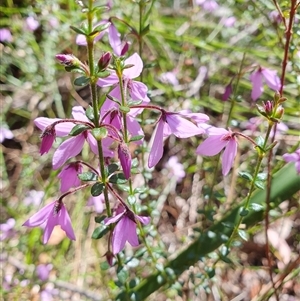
{"points": [[48, 137], [104, 61], [268, 107], [68, 60], [125, 159], [227, 93]]}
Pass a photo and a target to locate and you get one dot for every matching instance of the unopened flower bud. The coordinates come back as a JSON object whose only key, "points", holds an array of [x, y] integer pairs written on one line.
{"points": [[68, 60], [125, 159], [104, 61], [279, 112], [268, 107], [125, 49], [227, 93], [48, 137]]}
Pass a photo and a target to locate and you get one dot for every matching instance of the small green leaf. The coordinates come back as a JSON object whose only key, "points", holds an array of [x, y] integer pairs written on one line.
{"points": [[100, 231], [97, 189], [122, 275], [113, 99], [90, 113], [112, 168], [140, 189], [136, 138], [100, 9], [73, 69], [262, 176], [118, 179], [245, 175], [243, 234], [99, 133], [78, 129], [124, 109], [103, 74], [78, 30], [131, 199], [145, 30], [88, 176], [256, 207], [244, 212], [260, 141], [104, 266], [259, 185], [99, 28], [134, 102], [100, 219], [81, 81]]}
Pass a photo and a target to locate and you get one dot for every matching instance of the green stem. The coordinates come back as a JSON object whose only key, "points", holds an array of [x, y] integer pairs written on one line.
{"points": [[94, 96]]}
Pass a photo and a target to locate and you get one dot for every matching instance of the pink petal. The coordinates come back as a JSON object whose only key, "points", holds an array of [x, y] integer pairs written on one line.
{"points": [[138, 91], [65, 222], [51, 223], [211, 146], [257, 85], [137, 69], [181, 127], [68, 149], [120, 236], [228, 156], [61, 129], [114, 219], [156, 151], [131, 231], [271, 78], [290, 157], [114, 39], [40, 217], [143, 219], [108, 81], [79, 113]]}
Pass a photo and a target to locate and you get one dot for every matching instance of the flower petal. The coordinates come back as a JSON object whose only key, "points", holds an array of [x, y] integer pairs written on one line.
{"points": [[40, 217], [68, 149], [156, 151], [181, 127], [119, 236], [257, 85], [137, 69], [61, 129], [65, 222], [211, 146], [143, 219], [228, 156], [271, 78], [79, 113], [131, 232]]}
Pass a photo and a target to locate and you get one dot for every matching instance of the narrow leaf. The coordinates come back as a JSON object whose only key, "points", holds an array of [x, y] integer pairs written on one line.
{"points": [[97, 189], [78, 129], [88, 176]]}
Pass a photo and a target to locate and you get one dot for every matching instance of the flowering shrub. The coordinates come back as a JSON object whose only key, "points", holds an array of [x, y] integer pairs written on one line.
{"points": [[113, 154]]}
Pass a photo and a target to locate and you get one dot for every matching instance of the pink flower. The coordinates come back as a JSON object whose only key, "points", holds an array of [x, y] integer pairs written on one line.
{"points": [[5, 134], [43, 271], [293, 157], [218, 139], [32, 23], [73, 146], [169, 78], [270, 77], [177, 124], [7, 229], [69, 176], [52, 214], [175, 168], [5, 35], [208, 5], [125, 230], [137, 90]]}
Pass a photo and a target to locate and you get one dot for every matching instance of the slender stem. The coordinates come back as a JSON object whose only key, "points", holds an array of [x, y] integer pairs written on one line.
{"points": [[94, 96], [288, 33]]}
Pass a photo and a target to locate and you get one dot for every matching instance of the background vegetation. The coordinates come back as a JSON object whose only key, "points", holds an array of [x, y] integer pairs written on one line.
{"points": [[204, 49]]}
